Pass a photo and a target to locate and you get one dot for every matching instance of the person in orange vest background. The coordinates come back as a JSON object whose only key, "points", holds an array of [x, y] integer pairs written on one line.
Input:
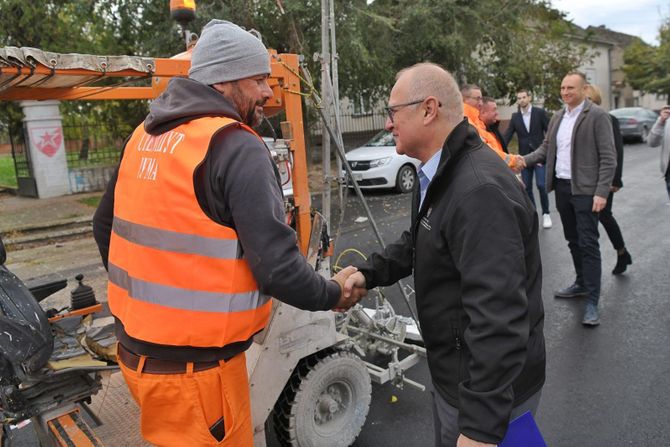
{"points": [[472, 105], [192, 231]]}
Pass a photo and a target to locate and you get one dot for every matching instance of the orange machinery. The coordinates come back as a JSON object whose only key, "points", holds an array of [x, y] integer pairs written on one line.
{"points": [[31, 74]]}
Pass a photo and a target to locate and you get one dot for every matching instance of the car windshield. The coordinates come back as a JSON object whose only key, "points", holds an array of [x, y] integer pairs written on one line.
{"points": [[383, 138]]}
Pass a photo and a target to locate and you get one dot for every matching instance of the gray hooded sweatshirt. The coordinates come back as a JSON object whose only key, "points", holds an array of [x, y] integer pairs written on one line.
{"points": [[238, 186]]}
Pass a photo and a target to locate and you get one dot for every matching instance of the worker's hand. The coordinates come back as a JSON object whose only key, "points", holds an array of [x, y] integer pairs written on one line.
{"points": [[598, 204], [519, 164], [351, 292], [464, 441]]}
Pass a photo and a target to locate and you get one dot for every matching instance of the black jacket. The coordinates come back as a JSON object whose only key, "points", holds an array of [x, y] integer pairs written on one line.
{"points": [[474, 251], [618, 144], [528, 141], [495, 130], [237, 186]]}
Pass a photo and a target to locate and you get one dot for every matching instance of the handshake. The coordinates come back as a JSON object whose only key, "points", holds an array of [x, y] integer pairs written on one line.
{"points": [[352, 288], [518, 163]]}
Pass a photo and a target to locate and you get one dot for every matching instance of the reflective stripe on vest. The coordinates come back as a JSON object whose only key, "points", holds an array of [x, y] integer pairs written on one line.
{"points": [[175, 276], [185, 299]]}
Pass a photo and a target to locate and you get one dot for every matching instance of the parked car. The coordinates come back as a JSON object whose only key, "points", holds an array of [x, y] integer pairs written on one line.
{"points": [[376, 164], [282, 158], [635, 122]]}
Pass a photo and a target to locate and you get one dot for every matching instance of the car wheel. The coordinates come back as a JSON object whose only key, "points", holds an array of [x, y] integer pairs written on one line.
{"points": [[644, 134], [404, 181]]}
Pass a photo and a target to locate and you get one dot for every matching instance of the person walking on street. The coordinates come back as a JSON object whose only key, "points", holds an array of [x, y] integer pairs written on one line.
{"points": [[191, 229], [660, 136], [605, 216], [474, 251], [579, 153], [529, 124]]}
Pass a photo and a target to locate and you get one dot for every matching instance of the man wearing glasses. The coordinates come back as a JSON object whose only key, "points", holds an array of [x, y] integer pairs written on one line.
{"points": [[474, 252]]}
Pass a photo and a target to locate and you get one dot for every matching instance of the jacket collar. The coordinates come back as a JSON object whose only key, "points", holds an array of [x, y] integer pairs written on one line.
{"points": [[462, 137]]}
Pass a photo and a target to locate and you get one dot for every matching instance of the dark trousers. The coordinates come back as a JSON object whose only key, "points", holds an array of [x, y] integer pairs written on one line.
{"points": [[611, 226], [580, 227], [540, 173]]}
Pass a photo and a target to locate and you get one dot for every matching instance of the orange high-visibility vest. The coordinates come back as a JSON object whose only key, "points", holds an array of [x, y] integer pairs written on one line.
{"points": [[176, 277], [472, 114]]}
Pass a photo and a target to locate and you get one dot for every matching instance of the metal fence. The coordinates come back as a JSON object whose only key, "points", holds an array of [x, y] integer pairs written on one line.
{"points": [[357, 129]]}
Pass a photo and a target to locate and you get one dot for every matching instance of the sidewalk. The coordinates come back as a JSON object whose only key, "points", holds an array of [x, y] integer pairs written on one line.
{"points": [[18, 214]]}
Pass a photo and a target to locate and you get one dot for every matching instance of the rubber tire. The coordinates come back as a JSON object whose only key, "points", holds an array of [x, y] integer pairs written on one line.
{"points": [[403, 172], [295, 413]]}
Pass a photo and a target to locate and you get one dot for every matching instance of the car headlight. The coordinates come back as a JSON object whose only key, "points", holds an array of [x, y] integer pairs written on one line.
{"points": [[380, 162]]}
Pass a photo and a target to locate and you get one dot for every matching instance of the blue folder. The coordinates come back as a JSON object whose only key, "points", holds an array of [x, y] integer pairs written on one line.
{"points": [[523, 432]]}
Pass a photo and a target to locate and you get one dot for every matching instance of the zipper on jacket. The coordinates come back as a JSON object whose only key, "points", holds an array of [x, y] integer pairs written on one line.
{"points": [[457, 337]]}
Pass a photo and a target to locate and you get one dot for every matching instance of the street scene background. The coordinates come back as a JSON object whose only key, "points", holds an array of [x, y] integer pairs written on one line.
{"points": [[606, 386]]}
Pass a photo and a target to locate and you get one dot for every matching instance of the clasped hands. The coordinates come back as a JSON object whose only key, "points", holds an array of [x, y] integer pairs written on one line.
{"points": [[352, 288], [518, 163]]}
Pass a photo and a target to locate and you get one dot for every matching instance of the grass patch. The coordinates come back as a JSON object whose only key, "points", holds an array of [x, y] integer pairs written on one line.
{"points": [[92, 201], [7, 171]]}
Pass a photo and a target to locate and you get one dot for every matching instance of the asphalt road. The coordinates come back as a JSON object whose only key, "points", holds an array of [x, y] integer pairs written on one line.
{"points": [[607, 386]]}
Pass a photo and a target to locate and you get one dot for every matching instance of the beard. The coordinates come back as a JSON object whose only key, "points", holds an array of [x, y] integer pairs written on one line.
{"points": [[253, 117]]}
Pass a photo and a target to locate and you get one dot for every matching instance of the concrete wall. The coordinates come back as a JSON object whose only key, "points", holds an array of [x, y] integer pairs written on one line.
{"points": [[598, 71]]}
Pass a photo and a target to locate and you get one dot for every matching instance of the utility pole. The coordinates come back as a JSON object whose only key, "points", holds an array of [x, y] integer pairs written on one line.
{"points": [[325, 102], [336, 87]]}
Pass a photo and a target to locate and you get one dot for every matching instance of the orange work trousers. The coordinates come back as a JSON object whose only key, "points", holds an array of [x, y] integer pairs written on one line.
{"points": [[178, 409]]}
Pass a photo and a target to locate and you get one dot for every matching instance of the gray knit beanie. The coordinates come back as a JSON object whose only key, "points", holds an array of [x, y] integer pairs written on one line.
{"points": [[225, 52]]}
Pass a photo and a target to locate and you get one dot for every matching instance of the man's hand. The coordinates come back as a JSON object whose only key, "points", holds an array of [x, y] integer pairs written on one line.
{"points": [[351, 292], [464, 441], [598, 204], [519, 164], [665, 114], [615, 188]]}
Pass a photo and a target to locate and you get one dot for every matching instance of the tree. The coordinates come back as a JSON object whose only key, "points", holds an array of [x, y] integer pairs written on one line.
{"points": [[500, 46], [647, 68]]}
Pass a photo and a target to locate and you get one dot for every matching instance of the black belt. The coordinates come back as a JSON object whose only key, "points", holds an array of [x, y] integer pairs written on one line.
{"points": [[562, 180], [157, 366]]}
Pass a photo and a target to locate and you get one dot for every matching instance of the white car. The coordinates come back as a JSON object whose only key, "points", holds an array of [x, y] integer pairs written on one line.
{"points": [[377, 165], [282, 158]]}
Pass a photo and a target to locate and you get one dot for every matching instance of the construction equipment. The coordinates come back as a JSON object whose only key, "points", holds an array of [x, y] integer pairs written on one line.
{"points": [[310, 372], [45, 374]]}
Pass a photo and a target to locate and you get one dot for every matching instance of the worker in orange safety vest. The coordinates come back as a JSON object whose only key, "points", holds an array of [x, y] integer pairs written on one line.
{"points": [[472, 104], [193, 234]]}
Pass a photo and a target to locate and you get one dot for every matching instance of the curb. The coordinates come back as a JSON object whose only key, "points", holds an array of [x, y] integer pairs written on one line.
{"points": [[44, 233]]}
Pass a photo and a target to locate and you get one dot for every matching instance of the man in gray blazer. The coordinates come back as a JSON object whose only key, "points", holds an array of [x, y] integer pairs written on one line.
{"points": [[660, 135], [580, 156]]}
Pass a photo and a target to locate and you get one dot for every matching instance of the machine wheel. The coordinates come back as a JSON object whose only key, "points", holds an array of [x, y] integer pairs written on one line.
{"points": [[325, 402], [404, 181]]}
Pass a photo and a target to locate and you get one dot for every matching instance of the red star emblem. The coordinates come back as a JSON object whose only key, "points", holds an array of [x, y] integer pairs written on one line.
{"points": [[47, 139]]}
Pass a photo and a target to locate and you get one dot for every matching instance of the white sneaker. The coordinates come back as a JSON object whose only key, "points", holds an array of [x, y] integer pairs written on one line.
{"points": [[546, 221]]}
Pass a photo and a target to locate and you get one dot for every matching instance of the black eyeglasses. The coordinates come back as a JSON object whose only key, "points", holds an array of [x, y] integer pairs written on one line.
{"points": [[391, 110]]}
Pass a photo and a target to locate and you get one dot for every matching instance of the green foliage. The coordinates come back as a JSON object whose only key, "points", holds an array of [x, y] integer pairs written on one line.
{"points": [[499, 45], [92, 201], [7, 172], [647, 68]]}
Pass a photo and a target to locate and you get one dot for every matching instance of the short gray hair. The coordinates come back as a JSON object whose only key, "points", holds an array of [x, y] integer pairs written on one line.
{"points": [[466, 89], [429, 79]]}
